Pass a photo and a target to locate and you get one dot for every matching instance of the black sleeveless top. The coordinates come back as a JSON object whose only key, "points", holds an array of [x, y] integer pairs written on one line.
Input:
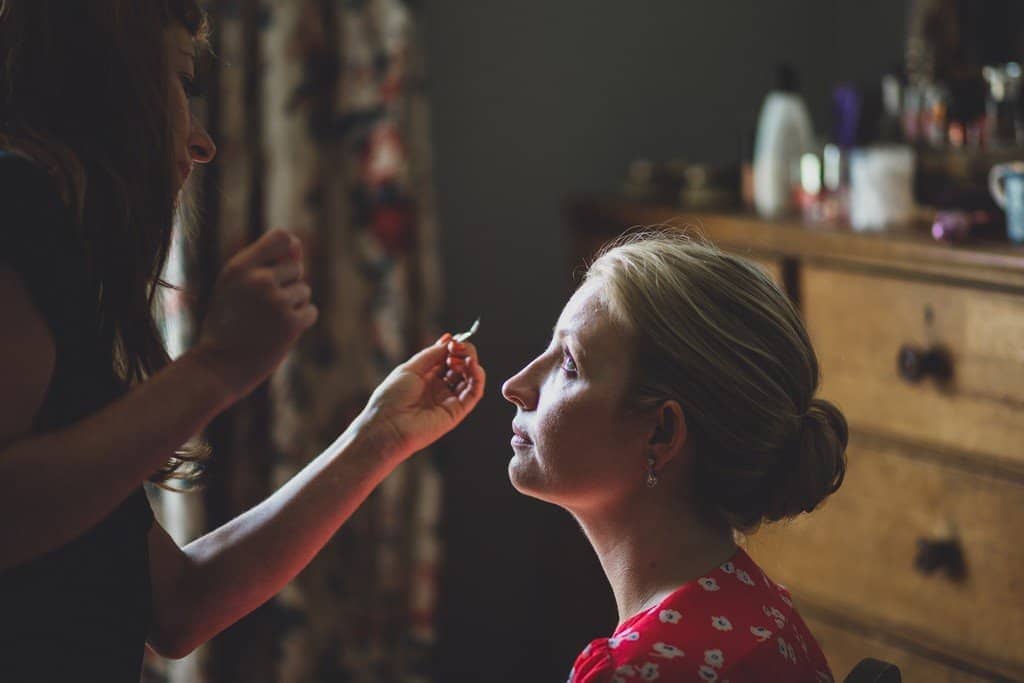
{"points": [[80, 612]]}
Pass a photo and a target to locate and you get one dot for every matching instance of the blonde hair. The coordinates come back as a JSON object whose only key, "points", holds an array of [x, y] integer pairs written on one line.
{"points": [[712, 331]]}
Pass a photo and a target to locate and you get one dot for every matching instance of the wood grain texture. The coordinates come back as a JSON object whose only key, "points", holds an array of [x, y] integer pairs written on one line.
{"points": [[858, 323], [855, 555], [844, 648], [908, 247]]}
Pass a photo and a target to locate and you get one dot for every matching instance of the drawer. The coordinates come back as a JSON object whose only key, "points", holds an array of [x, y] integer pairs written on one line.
{"points": [[856, 554], [845, 647], [860, 322]]}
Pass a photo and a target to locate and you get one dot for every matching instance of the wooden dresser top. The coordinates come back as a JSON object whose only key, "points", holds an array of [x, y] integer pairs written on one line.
{"points": [[907, 248]]}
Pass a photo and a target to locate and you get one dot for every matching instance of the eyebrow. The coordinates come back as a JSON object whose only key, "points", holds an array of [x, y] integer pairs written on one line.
{"points": [[570, 333]]}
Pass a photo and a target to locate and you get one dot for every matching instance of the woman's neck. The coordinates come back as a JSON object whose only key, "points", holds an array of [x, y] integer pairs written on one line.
{"points": [[650, 547]]}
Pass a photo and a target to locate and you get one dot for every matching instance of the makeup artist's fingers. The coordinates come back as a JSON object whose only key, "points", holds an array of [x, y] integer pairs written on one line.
{"points": [[427, 360], [465, 376], [272, 247], [297, 294], [307, 315], [462, 350], [287, 272], [476, 379]]}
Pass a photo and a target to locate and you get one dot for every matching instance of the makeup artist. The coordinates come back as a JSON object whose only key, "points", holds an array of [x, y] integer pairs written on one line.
{"points": [[96, 141]]}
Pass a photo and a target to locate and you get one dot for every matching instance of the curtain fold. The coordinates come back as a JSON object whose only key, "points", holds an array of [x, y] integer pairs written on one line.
{"points": [[321, 121]]}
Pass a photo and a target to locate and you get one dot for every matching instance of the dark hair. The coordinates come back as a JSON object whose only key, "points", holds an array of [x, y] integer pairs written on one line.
{"points": [[713, 332], [84, 93]]}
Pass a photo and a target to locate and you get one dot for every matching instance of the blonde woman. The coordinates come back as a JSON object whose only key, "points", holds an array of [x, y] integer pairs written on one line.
{"points": [[675, 406]]}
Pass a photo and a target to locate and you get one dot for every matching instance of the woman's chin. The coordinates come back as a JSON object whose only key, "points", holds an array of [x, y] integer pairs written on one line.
{"points": [[525, 474]]}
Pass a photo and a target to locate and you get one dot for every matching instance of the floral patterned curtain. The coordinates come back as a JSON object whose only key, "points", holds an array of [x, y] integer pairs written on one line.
{"points": [[318, 110]]}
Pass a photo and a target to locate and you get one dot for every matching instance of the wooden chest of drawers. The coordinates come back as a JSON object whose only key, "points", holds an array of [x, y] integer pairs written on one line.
{"points": [[919, 558]]}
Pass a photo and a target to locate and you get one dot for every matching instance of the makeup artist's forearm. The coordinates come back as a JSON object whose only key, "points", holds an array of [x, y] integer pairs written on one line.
{"points": [[239, 566], [58, 485]]}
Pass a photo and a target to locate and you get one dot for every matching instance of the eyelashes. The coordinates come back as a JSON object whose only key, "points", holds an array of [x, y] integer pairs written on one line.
{"points": [[568, 364]]}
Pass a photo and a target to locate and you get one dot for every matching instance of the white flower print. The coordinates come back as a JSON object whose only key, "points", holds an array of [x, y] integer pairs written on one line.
{"points": [[615, 641], [803, 644], [669, 616], [761, 633], [721, 623], [627, 670], [744, 577], [823, 677], [667, 651], [786, 650], [708, 584], [649, 671], [785, 597], [715, 658], [618, 679], [728, 567], [707, 673]]}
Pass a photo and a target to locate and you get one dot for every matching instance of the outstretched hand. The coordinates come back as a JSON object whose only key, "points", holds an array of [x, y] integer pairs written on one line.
{"points": [[427, 396]]}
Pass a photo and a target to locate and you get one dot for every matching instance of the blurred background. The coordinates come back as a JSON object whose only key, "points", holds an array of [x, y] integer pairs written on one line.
{"points": [[435, 156]]}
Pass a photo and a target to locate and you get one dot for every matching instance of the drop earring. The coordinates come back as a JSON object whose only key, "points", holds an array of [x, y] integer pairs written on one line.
{"points": [[652, 476]]}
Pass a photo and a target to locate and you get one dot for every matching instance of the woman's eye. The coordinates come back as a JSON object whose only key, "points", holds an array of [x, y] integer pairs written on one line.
{"points": [[568, 364], [190, 86]]}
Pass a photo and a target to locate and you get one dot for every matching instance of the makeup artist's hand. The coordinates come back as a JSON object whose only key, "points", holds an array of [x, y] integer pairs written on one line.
{"points": [[260, 307], [426, 397]]}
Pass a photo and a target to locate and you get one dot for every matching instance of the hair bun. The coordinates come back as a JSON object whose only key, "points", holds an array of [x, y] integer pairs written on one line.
{"points": [[816, 465]]}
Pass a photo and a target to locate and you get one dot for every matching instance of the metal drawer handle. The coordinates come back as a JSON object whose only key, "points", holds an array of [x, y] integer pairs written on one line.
{"points": [[916, 363], [946, 555]]}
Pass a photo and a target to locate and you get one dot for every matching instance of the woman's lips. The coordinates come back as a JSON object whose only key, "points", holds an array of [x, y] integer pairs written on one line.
{"points": [[519, 437]]}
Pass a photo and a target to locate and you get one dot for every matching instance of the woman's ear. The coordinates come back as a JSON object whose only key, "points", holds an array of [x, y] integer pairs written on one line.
{"points": [[669, 433]]}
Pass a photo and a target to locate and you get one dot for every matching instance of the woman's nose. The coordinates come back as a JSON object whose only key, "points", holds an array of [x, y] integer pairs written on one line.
{"points": [[200, 145], [519, 390]]}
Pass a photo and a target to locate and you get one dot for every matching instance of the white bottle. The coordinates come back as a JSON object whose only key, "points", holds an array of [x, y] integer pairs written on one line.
{"points": [[784, 135]]}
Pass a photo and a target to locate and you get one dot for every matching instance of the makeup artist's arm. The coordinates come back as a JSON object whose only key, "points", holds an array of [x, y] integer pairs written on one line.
{"points": [[217, 579], [58, 485]]}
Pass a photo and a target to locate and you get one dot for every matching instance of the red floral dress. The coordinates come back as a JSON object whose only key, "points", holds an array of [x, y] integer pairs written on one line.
{"points": [[734, 625]]}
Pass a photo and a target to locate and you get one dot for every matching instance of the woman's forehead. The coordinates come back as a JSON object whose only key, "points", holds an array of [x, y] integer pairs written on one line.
{"points": [[587, 318]]}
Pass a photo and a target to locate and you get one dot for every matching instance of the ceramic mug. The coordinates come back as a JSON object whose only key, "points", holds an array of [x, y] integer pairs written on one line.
{"points": [[1006, 183]]}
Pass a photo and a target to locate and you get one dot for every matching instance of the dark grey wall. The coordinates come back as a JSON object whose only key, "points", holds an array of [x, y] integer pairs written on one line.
{"points": [[532, 102]]}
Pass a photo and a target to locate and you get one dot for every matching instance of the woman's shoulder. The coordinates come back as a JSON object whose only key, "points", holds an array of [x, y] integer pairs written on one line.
{"points": [[710, 629]]}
